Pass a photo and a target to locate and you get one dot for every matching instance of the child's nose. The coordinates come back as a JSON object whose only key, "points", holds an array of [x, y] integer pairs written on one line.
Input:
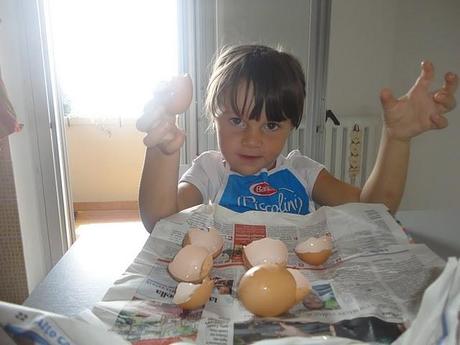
{"points": [[252, 137]]}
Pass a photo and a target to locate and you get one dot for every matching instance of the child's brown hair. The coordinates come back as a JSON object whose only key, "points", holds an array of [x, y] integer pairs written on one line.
{"points": [[276, 78]]}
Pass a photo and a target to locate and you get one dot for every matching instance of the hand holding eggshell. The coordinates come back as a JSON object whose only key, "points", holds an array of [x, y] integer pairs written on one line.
{"points": [[158, 119], [181, 97]]}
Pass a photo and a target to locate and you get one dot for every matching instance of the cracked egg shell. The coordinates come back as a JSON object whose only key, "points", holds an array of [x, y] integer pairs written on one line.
{"points": [[265, 251], [191, 264], [315, 251], [303, 286], [267, 290], [182, 89], [211, 240], [191, 296]]}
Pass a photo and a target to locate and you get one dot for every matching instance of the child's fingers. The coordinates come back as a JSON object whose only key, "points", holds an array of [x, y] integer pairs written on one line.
{"points": [[444, 101], [151, 140], [387, 99], [158, 134], [426, 74], [450, 83], [153, 112], [444, 98], [438, 121], [175, 143]]}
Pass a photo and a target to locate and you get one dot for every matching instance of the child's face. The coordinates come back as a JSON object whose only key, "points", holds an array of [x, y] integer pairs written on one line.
{"points": [[249, 145]]}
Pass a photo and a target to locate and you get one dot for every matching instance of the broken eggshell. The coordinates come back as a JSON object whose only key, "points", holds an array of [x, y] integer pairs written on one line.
{"points": [[303, 286], [170, 98], [191, 296], [211, 240], [267, 290], [265, 251], [191, 264], [315, 250], [182, 89]]}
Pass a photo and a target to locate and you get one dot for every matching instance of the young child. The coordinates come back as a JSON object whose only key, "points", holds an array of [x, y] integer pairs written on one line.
{"points": [[255, 97]]}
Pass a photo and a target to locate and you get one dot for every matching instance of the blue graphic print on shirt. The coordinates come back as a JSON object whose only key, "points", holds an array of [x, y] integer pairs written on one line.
{"points": [[280, 191]]}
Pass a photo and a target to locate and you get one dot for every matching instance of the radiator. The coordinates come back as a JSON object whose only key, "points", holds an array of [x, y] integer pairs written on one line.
{"points": [[351, 148]]}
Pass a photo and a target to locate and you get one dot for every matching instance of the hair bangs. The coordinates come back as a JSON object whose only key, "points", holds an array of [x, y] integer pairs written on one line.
{"points": [[272, 81]]}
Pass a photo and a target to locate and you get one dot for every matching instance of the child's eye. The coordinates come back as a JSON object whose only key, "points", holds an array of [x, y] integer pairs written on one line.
{"points": [[272, 126], [237, 122]]}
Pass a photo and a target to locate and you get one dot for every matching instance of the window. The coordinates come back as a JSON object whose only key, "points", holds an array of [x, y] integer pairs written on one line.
{"points": [[110, 54]]}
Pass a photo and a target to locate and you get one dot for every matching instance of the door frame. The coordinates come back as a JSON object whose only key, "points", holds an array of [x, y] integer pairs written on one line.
{"points": [[38, 151]]}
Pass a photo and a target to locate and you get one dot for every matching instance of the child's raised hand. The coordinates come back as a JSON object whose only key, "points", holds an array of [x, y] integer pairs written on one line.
{"points": [[159, 117], [420, 109]]}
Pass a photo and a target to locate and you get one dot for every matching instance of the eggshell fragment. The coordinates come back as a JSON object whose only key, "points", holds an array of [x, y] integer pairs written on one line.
{"points": [[303, 286], [170, 98], [211, 240], [193, 296], [267, 290], [265, 251], [191, 264], [182, 89], [315, 251]]}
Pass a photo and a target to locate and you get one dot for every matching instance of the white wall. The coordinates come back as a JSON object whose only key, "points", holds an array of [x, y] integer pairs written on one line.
{"points": [[380, 43], [361, 54], [268, 22], [430, 30]]}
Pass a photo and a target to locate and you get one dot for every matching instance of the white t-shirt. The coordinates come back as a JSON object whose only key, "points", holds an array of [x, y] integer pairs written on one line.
{"points": [[285, 188]]}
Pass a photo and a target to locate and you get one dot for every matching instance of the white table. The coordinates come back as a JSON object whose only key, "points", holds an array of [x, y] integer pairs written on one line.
{"points": [[438, 229], [88, 269]]}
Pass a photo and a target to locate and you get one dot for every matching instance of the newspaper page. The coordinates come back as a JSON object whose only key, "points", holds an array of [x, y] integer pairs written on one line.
{"points": [[23, 325], [367, 290]]}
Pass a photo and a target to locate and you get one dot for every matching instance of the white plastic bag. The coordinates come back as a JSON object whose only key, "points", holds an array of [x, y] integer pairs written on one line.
{"points": [[437, 321]]}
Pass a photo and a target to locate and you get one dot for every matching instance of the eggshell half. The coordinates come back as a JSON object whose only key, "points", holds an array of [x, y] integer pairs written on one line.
{"points": [[267, 290], [315, 251], [265, 251], [182, 89], [303, 286], [193, 296], [191, 264], [211, 240]]}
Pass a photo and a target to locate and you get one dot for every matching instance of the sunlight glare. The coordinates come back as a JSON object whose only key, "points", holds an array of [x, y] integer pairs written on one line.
{"points": [[110, 54]]}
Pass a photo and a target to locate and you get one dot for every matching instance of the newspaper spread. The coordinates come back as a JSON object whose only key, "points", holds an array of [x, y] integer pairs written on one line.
{"points": [[368, 291], [372, 284]]}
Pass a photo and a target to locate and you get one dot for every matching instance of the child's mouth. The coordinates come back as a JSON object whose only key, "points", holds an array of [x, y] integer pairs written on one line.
{"points": [[248, 157]]}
